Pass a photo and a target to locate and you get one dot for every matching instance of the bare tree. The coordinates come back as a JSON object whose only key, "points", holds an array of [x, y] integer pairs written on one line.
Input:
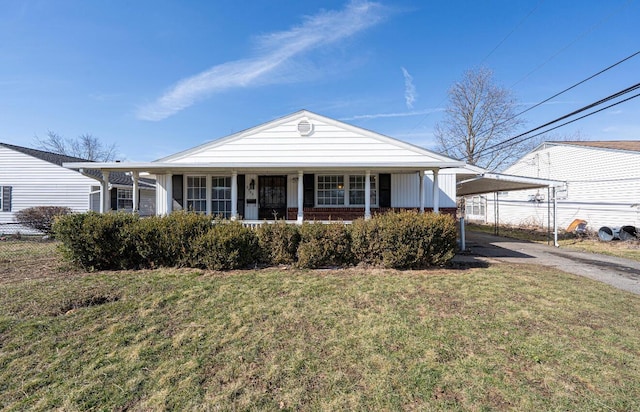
{"points": [[480, 114], [85, 146]]}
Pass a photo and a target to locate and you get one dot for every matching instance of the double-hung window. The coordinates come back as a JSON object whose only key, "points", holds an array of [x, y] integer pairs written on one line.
{"points": [[356, 190], [197, 194], [218, 197], [330, 190], [345, 190], [221, 196], [125, 199]]}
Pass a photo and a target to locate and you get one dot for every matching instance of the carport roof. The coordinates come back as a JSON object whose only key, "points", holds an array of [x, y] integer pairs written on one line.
{"points": [[480, 183]]}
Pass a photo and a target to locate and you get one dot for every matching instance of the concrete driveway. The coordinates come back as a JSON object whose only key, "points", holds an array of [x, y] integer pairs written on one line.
{"points": [[618, 272]]}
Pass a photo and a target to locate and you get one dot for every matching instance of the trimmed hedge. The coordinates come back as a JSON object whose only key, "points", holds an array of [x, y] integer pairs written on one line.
{"points": [[118, 241], [227, 245], [404, 240], [279, 243], [324, 245]]}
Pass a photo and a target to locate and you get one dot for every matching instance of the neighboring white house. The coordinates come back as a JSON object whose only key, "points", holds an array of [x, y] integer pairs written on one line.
{"points": [[30, 177], [303, 166], [603, 186]]}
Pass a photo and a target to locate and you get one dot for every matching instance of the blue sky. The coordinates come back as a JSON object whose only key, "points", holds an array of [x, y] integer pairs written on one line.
{"points": [[159, 77]]}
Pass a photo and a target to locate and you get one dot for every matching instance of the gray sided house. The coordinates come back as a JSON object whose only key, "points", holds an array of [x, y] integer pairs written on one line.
{"points": [[299, 167], [30, 177]]}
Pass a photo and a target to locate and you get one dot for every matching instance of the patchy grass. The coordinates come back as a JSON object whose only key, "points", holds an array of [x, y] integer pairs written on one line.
{"points": [[591, 243], [502, 338]]}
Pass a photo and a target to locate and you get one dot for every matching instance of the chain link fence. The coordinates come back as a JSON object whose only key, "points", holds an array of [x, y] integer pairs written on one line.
{"points": [[23, 249]]}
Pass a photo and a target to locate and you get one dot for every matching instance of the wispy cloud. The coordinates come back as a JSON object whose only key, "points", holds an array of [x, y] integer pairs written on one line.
{"points": [[410, 93], [389, 115], [272, 60]]}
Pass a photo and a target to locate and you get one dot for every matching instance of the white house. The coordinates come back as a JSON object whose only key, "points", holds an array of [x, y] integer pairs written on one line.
{"points": [[303, 166], [602, 186], [30, 177]]}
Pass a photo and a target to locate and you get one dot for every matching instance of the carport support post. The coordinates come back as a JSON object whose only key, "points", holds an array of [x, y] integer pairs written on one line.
{"points": [[555, 219]]}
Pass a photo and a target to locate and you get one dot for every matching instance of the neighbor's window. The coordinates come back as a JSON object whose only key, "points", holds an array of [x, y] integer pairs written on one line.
{"points": [[476, 205], [1, 196], [221, 196], [125, 199], [197, 194], [330, 190], [356, 190]]}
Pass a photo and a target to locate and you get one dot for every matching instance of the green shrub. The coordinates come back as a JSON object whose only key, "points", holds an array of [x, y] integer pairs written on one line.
{"points": [[97, 241], [324, 245], [41, 218], [167, 240], [278, 242], [404, 240], [227, 245]]}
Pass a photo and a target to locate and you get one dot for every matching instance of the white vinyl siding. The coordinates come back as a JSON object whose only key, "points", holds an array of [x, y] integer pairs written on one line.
{"points": [[330, 142], [603, 187], [35, 182]]}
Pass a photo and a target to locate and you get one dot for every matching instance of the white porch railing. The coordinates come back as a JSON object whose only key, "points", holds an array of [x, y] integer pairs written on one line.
{"points": [[254, 224]]}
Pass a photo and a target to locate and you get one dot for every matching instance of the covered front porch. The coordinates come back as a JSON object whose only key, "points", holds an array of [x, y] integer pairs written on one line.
{"points": [[296, 196]]}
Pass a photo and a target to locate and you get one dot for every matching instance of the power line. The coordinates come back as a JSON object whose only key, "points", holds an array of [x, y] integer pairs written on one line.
{"points": [[552, 97], [501, 146]]}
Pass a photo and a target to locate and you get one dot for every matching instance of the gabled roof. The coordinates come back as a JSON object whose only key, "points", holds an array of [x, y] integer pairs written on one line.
{"points": [[304, 139], [627, 145], [115, 178]]}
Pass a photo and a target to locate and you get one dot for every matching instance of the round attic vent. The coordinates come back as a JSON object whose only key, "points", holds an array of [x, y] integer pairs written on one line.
{"points": [[305, 128]]}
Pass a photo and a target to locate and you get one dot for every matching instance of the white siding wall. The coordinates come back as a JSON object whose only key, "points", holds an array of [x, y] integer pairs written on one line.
{"points": [[405, 191], [36, 182], [282, 143], [603, 187]]}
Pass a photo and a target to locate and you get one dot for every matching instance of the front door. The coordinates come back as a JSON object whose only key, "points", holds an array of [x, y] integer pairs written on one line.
{"points": [[272, 197]]}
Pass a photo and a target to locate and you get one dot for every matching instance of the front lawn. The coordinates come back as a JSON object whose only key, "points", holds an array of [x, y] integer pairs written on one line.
{"points": [[501, 338]]}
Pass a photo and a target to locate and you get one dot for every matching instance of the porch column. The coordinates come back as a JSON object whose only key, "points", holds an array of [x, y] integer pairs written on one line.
{"points": [[105, 199], [234, 195], [367, 195], [300, 217], [162, 195], [136, 189], [421, 190], [169, 188], [436, 192]]}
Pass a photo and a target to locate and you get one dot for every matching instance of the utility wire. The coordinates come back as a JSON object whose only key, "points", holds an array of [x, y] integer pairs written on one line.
{"points": [[552, 97], [501, 146]]}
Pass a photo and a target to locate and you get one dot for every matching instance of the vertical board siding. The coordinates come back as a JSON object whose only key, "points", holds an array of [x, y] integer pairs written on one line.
{"points": [[405, 190]]}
